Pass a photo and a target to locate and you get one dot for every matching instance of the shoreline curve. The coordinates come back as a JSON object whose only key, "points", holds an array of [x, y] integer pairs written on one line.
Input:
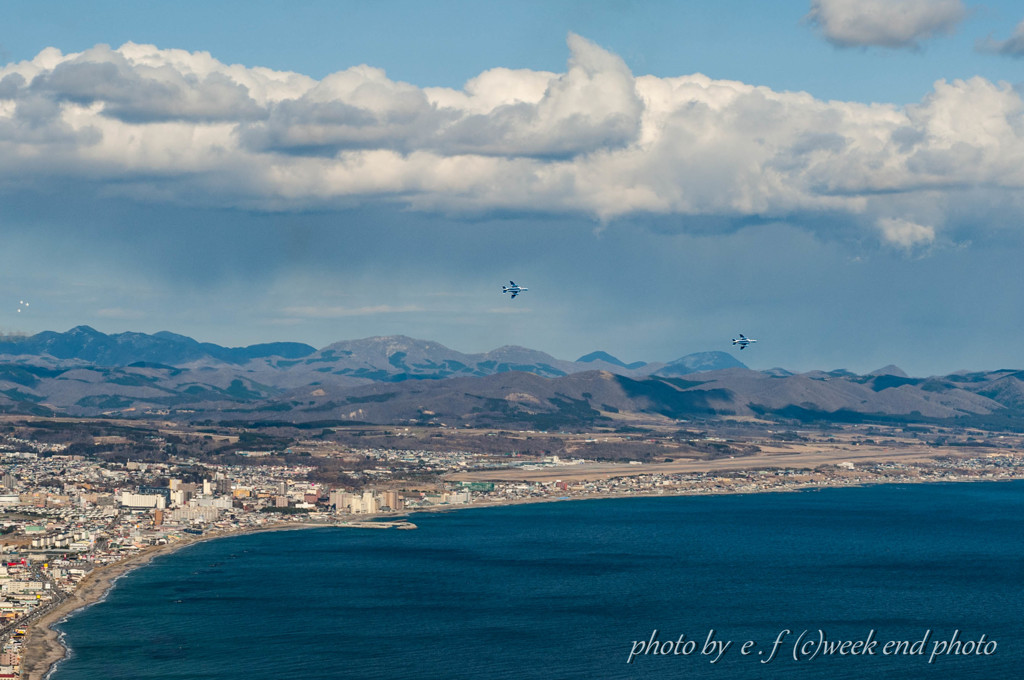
{"points": [[44, 649]]}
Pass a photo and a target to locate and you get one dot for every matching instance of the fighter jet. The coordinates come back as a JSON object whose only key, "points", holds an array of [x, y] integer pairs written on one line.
{"points": [[743, 341], [514, 289]]}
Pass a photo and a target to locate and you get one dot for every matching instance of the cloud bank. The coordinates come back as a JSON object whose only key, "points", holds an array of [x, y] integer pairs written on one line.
{"points": [[885, 23], [1012, 46], [175, 126]]}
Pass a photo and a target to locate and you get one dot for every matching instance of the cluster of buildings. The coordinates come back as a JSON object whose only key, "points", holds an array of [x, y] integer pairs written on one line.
{"points": [[61, 516]]}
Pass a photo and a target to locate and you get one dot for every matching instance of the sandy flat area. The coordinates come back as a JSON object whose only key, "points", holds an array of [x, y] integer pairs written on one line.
{"points": [[801, 457]]}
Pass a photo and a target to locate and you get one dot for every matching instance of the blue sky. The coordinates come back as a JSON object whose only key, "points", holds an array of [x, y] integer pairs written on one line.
{"points": [[839, 181], [446, 43]]}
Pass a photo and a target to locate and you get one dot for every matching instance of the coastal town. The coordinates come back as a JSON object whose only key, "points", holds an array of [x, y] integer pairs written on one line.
{"points": [[511, 340], [69, 515]]}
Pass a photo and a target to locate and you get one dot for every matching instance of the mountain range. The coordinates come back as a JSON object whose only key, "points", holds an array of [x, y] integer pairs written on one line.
{"points": [[397, 379]]}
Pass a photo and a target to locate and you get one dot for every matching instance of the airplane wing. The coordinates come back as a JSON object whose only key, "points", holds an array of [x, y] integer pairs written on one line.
{"points": [[742, 337], [513, 283], [514, 294], [742, 347]]}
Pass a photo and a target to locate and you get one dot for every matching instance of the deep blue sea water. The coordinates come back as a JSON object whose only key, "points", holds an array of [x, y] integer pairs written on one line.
{"points": [[564, 590]]}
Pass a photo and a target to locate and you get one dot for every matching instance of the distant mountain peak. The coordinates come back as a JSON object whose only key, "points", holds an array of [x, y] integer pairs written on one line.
{"points": [[84, 343], [701, 361], [609, 359], [174, 337], [386, 344], [891, 369], [600, 356]]}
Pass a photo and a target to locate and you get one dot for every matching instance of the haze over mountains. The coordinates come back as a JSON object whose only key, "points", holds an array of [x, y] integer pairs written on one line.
{"points": [[397, 379], [389, 358]]}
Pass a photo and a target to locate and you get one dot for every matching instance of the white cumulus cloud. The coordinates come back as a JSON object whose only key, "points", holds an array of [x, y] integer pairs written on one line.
{"points": [[905, 234], [885, 23], [169, 125]]}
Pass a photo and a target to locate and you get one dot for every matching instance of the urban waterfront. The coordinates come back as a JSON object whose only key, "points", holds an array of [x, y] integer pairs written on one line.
{"points": [[73, 523], [568, 589]]}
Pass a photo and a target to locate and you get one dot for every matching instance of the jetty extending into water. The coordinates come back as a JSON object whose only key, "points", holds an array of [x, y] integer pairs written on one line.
{"points": [[397, 524]]}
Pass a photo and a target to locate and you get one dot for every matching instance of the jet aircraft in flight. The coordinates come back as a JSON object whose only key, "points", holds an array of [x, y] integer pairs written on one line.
{"points": [[743, 341], [514, 289]]}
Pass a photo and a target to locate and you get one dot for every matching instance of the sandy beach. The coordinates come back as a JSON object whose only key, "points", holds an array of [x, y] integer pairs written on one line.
{"points": [[43, 648], [42, 644]]}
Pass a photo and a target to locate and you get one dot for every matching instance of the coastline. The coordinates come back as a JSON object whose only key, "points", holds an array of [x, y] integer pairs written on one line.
{"points": [[43, 646], [44, 650]]}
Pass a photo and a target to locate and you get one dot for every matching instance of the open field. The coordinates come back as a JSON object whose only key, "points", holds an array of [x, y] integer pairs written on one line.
{"points": [[795, 456]]}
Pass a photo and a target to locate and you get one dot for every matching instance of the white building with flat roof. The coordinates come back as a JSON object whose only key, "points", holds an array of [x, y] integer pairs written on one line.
{"points": [[141, 501]]}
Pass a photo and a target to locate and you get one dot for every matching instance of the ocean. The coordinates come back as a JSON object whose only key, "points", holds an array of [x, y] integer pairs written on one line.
{"points": [[737, 586]]}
